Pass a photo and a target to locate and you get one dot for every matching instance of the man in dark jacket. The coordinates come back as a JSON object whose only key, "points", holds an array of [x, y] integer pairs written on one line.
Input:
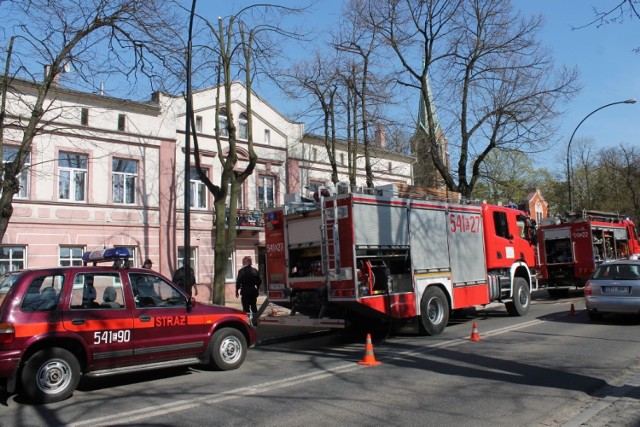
{"points": [[185, 281], [248, 284]]}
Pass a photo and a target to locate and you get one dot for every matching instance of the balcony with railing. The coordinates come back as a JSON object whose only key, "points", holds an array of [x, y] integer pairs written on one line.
{"points": [[247, 219]]}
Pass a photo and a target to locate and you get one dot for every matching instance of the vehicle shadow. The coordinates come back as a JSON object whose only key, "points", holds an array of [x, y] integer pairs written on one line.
{"points": [[130, 378]]}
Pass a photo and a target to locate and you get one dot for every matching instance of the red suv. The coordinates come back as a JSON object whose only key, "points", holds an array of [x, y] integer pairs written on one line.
{"points": [[57, 324]]}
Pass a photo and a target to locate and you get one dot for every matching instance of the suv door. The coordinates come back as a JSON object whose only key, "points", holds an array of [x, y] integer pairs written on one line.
{"points": [[98, 313], [163, 329]]}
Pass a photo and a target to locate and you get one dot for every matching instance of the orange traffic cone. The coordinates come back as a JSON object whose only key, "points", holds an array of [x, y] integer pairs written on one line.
{"points": [[474, 333], [369, 358], [572, 310]]}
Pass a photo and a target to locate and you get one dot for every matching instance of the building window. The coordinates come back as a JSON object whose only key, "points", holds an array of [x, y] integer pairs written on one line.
{"points": [[342, 159], [222, 122], [199, 124], [122, 122], [192, 258], [9, 154], [84, 117], [314, 185], [389, 167], [539, 211], [198, 191], [230, 271], [12, 258], [266, 192], [133, 254], [267, 136], [243, 126], [70, 255], [72, 176], [124, 181], [314, 154]]}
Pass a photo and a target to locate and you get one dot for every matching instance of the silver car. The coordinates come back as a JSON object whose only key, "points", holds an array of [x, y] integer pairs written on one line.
{"points": [[613, 288]]}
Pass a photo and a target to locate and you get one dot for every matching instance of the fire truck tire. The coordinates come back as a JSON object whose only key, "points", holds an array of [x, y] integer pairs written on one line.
{"points": [[521, 298], [434, 311], [227, 349], [50, 375]]}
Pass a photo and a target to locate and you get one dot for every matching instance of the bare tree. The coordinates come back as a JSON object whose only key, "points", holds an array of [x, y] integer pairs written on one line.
{"points": [[236, 49], [619, 12], [319, 80], [105, 38], [585, 184], [619, 176], [482, 74]]}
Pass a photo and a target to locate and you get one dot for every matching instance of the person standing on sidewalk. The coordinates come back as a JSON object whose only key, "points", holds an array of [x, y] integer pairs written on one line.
{"points": [[248, 284], [186, 281]]}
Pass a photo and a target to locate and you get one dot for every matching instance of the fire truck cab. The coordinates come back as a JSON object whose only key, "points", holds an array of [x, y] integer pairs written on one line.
{"points": [[395, 253], [570, 248]]}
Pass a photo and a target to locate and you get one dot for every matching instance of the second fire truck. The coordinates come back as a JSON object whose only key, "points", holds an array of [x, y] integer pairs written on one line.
{"points": [[570, 248], [395, 253]]}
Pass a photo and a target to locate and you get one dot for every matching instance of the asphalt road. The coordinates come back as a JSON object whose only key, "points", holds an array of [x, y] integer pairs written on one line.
{"points": [[552, 367]]}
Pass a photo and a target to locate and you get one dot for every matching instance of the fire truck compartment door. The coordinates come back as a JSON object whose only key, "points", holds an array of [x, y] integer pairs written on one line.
{"points": [[380, 225], [304, 231], [429, 239], [466, 247], [620, 234], [556, 233]]}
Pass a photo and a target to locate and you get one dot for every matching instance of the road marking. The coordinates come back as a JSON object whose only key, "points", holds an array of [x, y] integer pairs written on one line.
{"points": [[183, 405]]}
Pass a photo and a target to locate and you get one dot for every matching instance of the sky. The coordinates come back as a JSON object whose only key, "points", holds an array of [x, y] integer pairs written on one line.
{"points": [[609, 69]]}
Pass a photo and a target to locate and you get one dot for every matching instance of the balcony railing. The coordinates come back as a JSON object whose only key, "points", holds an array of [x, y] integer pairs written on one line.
{"points": [[247, 219]]}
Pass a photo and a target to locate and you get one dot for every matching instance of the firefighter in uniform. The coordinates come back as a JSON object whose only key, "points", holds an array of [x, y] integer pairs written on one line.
{"points": [[248, 284]]}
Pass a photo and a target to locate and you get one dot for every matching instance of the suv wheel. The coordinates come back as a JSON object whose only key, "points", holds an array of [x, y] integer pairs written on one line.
{"points": [[227, 348], [50, 375]]}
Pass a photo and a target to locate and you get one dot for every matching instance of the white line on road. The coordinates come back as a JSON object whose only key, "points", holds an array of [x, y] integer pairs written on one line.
{"points": [[182, 405]]}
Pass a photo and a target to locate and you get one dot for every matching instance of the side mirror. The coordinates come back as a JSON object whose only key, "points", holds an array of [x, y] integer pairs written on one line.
{"points": [[191, 302]]}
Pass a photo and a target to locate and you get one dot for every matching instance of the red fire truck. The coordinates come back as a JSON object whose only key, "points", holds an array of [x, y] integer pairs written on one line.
{"points": [[394, 254], [570, 248]]}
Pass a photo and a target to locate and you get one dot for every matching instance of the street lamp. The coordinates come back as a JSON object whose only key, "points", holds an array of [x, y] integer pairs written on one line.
{"points": [[628, 101]]}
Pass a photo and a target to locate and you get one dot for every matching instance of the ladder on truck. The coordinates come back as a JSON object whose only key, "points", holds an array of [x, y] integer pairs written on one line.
{"points": [[330, 237]]}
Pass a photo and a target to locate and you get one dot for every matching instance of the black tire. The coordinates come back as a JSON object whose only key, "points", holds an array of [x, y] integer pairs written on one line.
{"points": [[594, 315], [521, 298], [50, 375], [434, 311], [228, 349]]}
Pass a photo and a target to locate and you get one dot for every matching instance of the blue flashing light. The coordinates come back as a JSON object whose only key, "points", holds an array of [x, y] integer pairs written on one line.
{"points": [[104, 255]]}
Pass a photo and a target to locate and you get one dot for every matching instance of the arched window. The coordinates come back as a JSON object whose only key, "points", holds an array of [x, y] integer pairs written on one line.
{"points": [[222, 122], [243, 126]]}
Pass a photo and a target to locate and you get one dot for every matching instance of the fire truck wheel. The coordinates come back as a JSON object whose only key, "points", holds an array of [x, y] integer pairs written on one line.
{"points": [[521, 298], [434, 311], [50, 375], [227, 348]]}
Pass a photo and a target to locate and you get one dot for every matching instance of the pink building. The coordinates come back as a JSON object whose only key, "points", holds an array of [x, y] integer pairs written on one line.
{"points": [[110, 172]]}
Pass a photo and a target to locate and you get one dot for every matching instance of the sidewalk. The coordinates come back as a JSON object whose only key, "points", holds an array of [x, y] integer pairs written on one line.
{"points": [[271, 334], [237, 304]]}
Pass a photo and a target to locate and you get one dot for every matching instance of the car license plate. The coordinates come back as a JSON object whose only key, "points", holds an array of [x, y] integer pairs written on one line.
{"points": [[276, 286], [615, 290]]}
